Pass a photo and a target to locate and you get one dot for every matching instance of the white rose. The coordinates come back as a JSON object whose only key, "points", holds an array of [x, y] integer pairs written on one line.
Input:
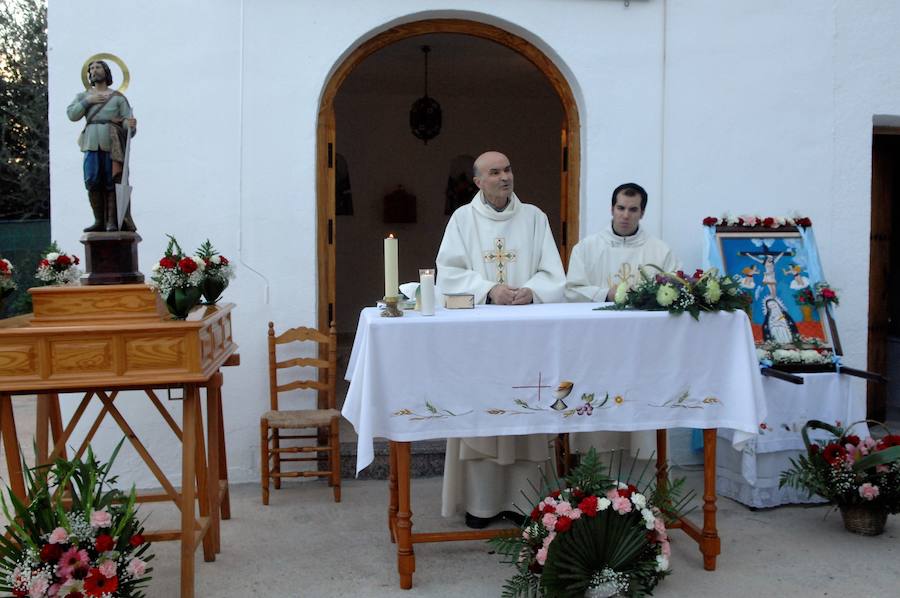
{"points": [[216, 259], [810, 356], [51, 257], [201, 265]]}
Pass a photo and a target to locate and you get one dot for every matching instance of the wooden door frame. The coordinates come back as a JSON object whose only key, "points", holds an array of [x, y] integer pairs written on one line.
{"points": [[570, 150]]}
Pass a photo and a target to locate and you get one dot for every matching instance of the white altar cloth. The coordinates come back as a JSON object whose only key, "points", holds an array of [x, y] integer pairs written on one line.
{"points": [[496, 370], [750, 475]]}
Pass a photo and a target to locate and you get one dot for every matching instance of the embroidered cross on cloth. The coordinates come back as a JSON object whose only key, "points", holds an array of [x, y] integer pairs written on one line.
{"points": [[500, 256]]}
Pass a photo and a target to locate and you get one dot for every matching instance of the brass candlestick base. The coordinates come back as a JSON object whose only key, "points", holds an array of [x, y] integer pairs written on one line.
{"points": [[390, 308]]}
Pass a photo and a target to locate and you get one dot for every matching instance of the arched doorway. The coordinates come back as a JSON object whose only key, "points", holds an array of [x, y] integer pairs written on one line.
{"points": [[569, 149]]}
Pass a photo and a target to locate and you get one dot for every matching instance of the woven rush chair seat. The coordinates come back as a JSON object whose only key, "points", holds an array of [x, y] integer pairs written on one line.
{"points": [[318, 444], [301, 418]]}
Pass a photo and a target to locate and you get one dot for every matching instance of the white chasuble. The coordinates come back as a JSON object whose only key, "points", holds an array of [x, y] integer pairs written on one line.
{"points": [[599, 263], [482, 248]]}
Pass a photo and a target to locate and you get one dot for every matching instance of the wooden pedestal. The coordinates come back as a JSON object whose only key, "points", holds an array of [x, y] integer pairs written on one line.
{"points": [[111, 258]]}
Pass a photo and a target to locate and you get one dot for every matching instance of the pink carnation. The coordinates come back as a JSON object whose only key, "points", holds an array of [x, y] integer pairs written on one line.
{"points": [[563, 508], [108, 568], [541, 556], [574, 514], [58, 536], [868, 491], [659, 525], [549, 520], [101, 519], [38, 587], [666, 549], [621, 505], [136, 567]]}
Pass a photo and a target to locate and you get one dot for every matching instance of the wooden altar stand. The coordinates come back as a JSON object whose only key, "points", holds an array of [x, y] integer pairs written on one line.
{"points": [[100, 341]]}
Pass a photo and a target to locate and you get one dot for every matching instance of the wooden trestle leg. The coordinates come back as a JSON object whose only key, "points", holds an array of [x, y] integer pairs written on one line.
{"points": [[710, 545], [406, 559], [662, 457], [11, 447], [392, 484], [188, 471]]}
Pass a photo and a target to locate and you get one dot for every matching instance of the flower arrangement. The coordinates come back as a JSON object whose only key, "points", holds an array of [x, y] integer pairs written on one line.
{"points": [[847, 470], [217, 272], [7, 282], [58, 268], [678, 292], [820, 295], [750, 221], [593, 532], [805, 350], [94, 547], [177, 278]]}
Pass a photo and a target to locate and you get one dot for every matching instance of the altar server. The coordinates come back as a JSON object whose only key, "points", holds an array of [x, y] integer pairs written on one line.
{"points": [[502, 251]]}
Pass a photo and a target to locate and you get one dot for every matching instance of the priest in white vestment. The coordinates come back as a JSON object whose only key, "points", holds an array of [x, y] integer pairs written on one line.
{"points": [[502, 251], [598, 264]]}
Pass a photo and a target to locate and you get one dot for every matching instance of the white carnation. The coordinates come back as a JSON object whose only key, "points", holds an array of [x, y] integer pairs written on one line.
{"points": [[639, 500], [603, 504]]}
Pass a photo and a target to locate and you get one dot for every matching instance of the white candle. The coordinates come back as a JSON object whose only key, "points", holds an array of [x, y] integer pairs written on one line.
{"points": [[426, 288], [391, 278]]}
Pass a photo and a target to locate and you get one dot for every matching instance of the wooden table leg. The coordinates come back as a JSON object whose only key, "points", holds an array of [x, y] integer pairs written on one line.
{"points": [[223, 459], [406, 559], [11, 447], [188, 471], [56, 427], [204, 481], [212, 429], [42, 429], [662, 458], [392, 484], [710, 544]]}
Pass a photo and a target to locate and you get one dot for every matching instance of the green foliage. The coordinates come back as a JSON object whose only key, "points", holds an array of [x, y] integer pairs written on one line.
{"points": [[24, 130], [206, 250]]}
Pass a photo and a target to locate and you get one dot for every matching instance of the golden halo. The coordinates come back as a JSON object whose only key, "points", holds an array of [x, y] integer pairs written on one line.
{"points": [[126, 76]]}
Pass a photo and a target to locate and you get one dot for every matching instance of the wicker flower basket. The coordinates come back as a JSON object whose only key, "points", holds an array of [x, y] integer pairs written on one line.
{"points": [[864, 520]]}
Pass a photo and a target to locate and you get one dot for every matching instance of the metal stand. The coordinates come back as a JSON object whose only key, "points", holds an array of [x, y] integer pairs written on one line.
{"points": [[390, 308]]}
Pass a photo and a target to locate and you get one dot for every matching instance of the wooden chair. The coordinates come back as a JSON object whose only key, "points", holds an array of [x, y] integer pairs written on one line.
{"points": [[321, 424]]}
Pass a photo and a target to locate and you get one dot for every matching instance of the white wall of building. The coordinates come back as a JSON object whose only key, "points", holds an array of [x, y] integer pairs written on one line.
{"points": [[749, 106]]}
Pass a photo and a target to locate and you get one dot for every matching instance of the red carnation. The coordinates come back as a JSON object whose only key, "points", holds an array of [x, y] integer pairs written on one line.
{"points": [[187, 265], [167, 262], [535, 515], [74, 595], [563, 524], [97, 584], [51, 552], [136, 540], [803, 222], [588, 506], [3, 266], [104, 542], [19, 593], [556, 493], [768, 222], [45, 264], [679, 273], [741, 221], [577, 494], [828, 293], [814, 449], [549, 508], [834, 453], [63, 260], [710, 221], [627, 492], [698, 273], [76, 260], [852, 439]]}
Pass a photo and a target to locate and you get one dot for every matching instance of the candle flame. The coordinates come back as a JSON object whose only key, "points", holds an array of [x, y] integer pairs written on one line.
{"points": [[390, 235]]}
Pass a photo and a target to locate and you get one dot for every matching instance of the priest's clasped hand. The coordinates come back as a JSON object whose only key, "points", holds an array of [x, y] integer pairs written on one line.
{"points": [[503, 294]]}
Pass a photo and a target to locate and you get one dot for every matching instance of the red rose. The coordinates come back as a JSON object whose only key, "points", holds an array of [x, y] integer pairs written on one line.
{"points": [[167, 262], [97, 584], [679, 273], [136, 540], [104, 542], [63, 260], [45, 264], [710, 221], [223, 261], [588, 506], [3, 266], [852, 439], [698, 273], [828, 293], [563, 524], [76, 260], [187, 265], [834, 453], [741, 221], [814, 449], [51, 552], [803, 221], [768, 222]]}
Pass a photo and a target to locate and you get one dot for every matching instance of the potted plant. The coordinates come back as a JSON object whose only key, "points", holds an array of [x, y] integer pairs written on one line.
{"points": [[861, 476], [177, 278], [593, 536], [217, 272], [7, 282], [77, 536]]}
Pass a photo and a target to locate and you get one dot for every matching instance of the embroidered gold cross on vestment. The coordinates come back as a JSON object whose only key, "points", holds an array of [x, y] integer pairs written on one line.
{"points": [[500, 255]]}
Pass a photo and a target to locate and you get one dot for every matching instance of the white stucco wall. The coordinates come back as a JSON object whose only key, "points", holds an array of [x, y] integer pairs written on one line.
{"points": [[749, 106]]}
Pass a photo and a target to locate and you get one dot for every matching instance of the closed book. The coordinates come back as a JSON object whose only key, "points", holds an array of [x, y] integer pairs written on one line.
{"points": [[459, 301]]}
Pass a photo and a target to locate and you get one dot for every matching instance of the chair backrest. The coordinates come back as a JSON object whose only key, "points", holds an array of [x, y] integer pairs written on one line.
{"points": [[327, 367]]}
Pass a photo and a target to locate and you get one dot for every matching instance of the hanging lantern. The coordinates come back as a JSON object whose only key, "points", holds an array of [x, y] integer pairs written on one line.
{"points": [[425, 113]]}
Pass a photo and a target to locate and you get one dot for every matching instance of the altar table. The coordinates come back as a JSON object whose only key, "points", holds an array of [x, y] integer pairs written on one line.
{"points": [[751, 475], [100, 341], [497, 370]]}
